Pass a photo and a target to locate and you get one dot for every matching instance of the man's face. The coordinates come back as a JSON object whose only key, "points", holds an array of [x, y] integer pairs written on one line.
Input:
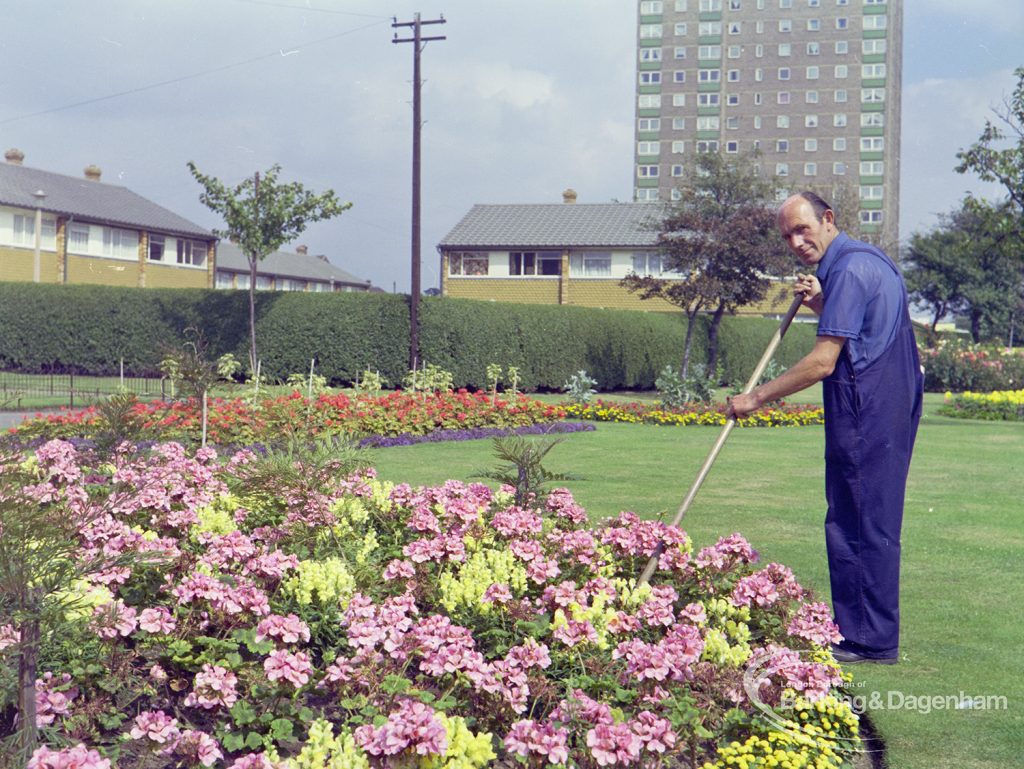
{"points": [[806, 235]]}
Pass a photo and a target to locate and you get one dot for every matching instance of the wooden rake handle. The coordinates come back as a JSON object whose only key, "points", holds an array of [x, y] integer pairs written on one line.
{"points": [[730, 423]]}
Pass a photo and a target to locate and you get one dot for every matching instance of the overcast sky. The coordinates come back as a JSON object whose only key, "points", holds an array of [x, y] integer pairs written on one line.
{"points": [[524, 99]]}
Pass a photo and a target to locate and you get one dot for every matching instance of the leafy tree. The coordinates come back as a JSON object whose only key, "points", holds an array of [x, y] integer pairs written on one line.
{"points": [[971, 265], [998, 155], [720, 239], [261, 216]]}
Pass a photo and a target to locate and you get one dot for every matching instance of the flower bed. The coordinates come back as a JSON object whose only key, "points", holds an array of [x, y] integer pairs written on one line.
{"points": [[326, 619], [780, 415], [960, 366], [997, 406], [235, 422]]}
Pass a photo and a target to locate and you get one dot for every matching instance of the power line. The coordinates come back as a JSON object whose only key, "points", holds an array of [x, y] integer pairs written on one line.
{"points": [[140, 89]]}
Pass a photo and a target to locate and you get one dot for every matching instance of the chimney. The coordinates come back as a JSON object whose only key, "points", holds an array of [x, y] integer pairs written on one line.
{"points": [[14, 156], [569, 196], [93, 173], [302, 250]]}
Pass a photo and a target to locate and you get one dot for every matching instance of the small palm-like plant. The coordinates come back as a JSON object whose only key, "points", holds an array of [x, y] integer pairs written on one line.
{"points": [[525, 471]]}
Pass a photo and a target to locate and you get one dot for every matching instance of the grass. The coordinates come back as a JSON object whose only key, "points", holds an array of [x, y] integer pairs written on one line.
{"points": [[962, 543]]}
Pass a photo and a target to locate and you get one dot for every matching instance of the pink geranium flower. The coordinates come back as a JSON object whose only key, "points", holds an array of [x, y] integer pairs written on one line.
{"points": [[294, 668]]}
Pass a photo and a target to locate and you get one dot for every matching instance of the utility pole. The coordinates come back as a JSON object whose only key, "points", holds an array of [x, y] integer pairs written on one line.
{"points": [[418, 41]]}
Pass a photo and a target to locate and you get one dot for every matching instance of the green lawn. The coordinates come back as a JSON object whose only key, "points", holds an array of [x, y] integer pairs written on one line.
{"points": [[963, 543]]}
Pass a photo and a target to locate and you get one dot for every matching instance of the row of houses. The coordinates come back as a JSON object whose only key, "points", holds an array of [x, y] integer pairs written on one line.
{"points": [[561, 253], [94, 232]]}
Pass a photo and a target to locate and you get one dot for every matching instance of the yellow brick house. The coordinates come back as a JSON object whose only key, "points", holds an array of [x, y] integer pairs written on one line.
{"points": [[94, 232], [562, 253]]}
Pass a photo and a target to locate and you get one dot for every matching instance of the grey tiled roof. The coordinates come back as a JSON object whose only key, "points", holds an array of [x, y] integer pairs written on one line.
{"points": [[90, 201], [286, 265], [554, 225]]}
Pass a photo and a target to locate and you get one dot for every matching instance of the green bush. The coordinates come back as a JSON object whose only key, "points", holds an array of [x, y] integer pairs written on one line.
{"points": [[90, 329]]}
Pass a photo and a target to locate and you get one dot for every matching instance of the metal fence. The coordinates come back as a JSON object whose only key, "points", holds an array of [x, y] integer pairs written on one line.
{"points": [[18, 391]]}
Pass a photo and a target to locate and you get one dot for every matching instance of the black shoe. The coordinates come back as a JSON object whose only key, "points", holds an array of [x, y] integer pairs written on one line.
{"points": [[846, 657]]}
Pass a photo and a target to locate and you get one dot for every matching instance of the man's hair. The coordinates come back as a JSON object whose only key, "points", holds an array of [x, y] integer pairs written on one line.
{"points": [[817, 203]]}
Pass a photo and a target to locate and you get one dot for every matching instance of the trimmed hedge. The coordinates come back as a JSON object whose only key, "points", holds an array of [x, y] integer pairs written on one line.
{"points": [[89, 329]]}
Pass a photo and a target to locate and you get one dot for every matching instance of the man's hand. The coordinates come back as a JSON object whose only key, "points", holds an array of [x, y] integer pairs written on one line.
{"points": [[809, 286], [742, 405]]}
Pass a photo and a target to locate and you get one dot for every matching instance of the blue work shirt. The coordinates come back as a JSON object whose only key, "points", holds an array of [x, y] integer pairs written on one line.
{"points": [[864, 298]]}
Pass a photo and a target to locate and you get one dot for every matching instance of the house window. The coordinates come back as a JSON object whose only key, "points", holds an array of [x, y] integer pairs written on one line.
{"points": [[813, 49], [534, 263], [78, 238], [785, 49], [810, 169], [648, 148], [649, 101], [468, 263], [812, 73], [680, 29], [759, 50], [872, 144], [732, 147], [814, 25], [878, 21], [782, 169], [732, 123], [839, 169], [650, 54], [709, 52], [25, 231], [810, 145], [842, 47], [870, 217], [839, 120], [709, 99], [650, 78], [680, 52], [840, 95], [675, 194], [735, 27], [709, 123], [645, 194], [193, 252], [732, 99], [839, 144], [123, 244], [707, 28], [156, 248], [871, 192], [651, 7], [264, 283], [734, 5], [872, 168], [811, 97], [872, 119], [757, 122], [648, 124], [681, 6], [872, 47], [707, 146], [785, 25], [709, 75], [733, 76], [647, 264], [872, 95], [679, 76], [242, 280], [647, 172], [783, 97], [225, 279], [870, 71], [783, 73], [677, 170], [782, 121], [734, 51], [650, 31], [679, 100], [842, 22], [810, 121], [677, 148], [710, 6], [782, 145], [678, 124], [785, 4], [590, 264], [841, 71]]}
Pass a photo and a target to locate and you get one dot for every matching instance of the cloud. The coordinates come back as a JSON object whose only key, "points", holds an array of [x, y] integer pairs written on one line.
{"points": [[941, 117]]}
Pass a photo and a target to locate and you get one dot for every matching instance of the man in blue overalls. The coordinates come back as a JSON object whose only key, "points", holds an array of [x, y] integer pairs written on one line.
{"points": [[866, 358]]}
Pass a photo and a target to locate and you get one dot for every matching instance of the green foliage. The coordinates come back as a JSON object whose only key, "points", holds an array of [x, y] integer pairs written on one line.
{"points": [[87, 329], [428, 379], [525, 471], [369, 382], [676, 390], [580, 387]]}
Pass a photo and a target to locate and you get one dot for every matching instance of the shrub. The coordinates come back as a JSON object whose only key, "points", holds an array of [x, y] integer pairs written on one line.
{"points": [[580, 387], [1005, 405], [959, 366]]}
